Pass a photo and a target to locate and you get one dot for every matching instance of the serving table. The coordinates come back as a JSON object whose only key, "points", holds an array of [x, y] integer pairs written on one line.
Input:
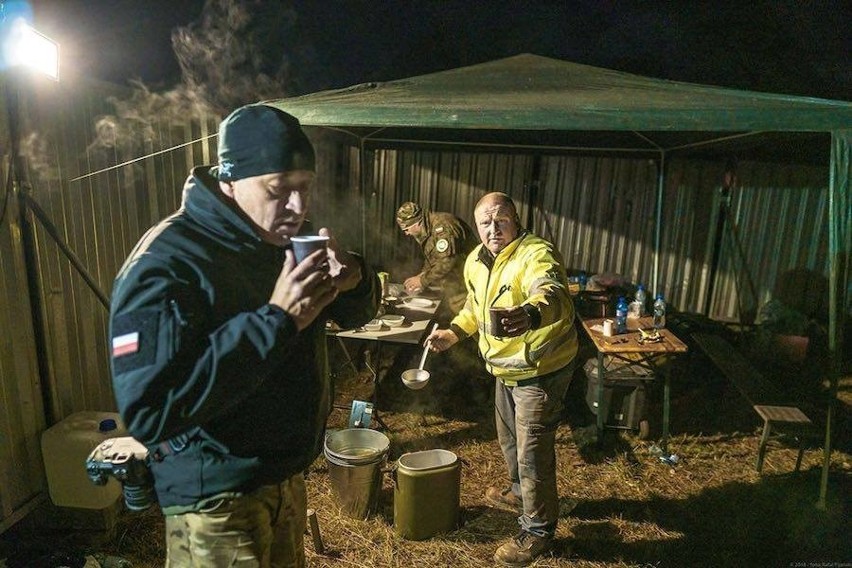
{"points": [[419, 312]]}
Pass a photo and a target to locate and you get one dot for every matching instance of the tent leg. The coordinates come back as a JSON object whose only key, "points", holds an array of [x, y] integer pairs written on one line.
{"points": [[658, 228]]}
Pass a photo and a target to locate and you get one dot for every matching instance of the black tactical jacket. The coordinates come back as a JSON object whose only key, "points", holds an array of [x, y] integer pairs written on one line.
{"points": [[200, 357]]}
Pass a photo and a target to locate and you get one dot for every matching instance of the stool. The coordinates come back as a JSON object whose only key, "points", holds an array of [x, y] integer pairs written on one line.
{"points": [[782, 416]]}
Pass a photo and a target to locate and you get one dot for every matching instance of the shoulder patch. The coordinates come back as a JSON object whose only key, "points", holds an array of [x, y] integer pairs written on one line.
{"points": [[134, 339], [442, 245]]}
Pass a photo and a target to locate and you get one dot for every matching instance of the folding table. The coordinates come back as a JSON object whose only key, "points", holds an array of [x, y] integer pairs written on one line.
{"points": [[412, 332], [628, 347]]}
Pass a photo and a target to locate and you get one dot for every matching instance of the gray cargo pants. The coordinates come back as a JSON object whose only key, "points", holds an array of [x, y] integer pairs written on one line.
{"points": [[527, 417]]}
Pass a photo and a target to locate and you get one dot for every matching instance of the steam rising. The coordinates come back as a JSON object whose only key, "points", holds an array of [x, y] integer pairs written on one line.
{"points": [[234, 54], [237, 53]]}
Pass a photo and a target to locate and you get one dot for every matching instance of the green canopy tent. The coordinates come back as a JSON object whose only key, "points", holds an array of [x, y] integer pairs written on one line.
{"points": [[533, 103]]}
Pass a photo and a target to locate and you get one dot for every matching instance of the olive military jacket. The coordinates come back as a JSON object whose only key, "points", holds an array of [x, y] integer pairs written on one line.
{"points": [[217, 382], [446, 245]]}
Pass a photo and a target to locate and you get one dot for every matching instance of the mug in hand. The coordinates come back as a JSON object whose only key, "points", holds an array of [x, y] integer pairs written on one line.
{"points": [[303, 246], [497, 328]]}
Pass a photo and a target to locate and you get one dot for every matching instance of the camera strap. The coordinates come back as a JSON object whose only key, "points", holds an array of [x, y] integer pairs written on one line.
{"points": [[173, 445]]}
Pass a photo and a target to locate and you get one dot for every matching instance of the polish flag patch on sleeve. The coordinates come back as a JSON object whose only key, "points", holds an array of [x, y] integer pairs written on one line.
{"points": [[134, 339], [125, 344]]}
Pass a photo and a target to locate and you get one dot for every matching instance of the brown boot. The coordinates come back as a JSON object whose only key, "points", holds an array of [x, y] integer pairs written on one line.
{"points": [[523, 549], [504, 499]]}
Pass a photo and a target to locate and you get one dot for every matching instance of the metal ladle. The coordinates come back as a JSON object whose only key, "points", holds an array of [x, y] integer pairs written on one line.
{"points": [[416, 379]]}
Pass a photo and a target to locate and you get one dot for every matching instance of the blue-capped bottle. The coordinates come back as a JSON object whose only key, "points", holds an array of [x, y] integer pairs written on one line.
{"points": [[659, 312], [621, 315]]}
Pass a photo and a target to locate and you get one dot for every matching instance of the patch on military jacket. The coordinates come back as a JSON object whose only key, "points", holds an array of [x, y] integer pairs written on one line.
{"points": [[134, 339], [439, 229], [442, 245]]}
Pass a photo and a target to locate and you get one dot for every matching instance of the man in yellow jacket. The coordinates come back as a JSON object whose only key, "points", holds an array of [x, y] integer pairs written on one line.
{"points": [[529, 346]]}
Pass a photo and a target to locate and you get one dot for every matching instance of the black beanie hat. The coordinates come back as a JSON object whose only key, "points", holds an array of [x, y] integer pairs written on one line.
{"points": [[259, 139]]}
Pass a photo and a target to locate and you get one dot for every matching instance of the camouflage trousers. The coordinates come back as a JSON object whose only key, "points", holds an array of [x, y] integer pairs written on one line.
{"points": [[264, 529]]}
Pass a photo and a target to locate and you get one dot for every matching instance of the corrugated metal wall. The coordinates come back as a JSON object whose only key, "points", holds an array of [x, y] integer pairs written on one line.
{"points": [[601, 211], [21, 415], [780, 219], [336, 202]]}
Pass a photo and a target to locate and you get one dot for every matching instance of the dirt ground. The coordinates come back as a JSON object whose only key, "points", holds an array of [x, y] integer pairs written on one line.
{"points": [[621, 505]]}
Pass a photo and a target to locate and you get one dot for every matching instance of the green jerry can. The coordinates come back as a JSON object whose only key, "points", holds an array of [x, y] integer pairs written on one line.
{"points": [[426, 494]]}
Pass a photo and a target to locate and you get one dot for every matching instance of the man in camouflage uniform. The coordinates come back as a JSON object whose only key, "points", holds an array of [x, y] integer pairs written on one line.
{"points": [[446, 241]]}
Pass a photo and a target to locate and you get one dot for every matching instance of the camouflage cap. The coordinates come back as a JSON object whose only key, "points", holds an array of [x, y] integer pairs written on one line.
{"points": [[408, 214]]}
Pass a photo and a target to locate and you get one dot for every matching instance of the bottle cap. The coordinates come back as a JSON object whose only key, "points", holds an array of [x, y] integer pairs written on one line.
{"points": [[107, 425]]}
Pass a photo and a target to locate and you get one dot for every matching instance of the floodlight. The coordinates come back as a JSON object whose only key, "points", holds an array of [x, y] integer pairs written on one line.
{"points": [[26, 47]]}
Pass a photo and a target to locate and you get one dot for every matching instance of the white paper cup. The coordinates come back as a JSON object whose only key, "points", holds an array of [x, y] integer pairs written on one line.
{"points": [[608, 327], [303, 246]]}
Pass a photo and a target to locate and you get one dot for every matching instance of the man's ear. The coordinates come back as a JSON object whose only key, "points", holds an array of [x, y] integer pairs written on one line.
{"points": [[227, 188]]}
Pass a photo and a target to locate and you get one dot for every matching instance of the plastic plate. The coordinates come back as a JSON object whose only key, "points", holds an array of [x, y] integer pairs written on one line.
{"points": [[419, 302]]}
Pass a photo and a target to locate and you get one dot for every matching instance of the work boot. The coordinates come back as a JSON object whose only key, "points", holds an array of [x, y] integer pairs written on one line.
{"points": [[504, 499], [522, 549]]}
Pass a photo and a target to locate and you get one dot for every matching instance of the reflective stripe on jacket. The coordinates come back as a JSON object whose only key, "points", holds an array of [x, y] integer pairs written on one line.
{"points": [[528, 272]]}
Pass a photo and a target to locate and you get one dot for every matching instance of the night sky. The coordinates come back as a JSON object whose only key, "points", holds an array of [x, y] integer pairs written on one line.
{"points": [[784, 46]]}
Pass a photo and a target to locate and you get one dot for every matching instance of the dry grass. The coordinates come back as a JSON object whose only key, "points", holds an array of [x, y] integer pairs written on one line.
{"points": [[621, 506]]}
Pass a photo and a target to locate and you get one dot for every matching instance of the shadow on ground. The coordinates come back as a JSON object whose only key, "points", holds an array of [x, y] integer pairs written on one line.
{"points": [[772, 523]]}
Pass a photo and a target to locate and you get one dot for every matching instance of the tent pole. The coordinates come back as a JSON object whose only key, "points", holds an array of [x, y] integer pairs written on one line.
{"points": [[362, 181], [658, 226], [17, 173], [839, 237], [729, 182], [533, 195]]}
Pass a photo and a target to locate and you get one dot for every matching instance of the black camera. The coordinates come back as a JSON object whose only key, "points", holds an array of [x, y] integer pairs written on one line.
{"points": [[127, 460]]}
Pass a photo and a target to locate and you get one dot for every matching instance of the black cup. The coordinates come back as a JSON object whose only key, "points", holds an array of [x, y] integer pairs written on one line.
{"points": [[497, 314]]}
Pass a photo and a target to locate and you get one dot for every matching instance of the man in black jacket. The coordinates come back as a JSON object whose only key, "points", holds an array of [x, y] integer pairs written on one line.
{"points": [[218, 347]]}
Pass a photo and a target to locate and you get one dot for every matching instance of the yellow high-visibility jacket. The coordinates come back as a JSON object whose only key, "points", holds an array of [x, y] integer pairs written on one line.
{"points": [[530, 273]]}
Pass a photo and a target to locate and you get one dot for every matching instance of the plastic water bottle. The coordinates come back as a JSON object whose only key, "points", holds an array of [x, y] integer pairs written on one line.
{"points": [[621, 315], [640, 299], [582, 280], [659, 312]]}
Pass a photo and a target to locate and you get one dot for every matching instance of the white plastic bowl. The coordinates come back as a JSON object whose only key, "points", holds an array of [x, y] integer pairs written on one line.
{"points": [[415, 379], [392, 320], [373, 325]]}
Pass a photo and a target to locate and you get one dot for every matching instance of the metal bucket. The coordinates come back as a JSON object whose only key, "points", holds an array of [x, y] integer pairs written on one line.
{"points": [[355, 457], [426, 494]]}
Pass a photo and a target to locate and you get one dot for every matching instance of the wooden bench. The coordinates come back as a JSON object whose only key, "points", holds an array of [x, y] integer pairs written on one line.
{"points": [[769, 403]]}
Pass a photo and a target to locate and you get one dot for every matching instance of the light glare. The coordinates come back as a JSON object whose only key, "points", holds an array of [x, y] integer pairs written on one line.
{"points": [[29, 48]]}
